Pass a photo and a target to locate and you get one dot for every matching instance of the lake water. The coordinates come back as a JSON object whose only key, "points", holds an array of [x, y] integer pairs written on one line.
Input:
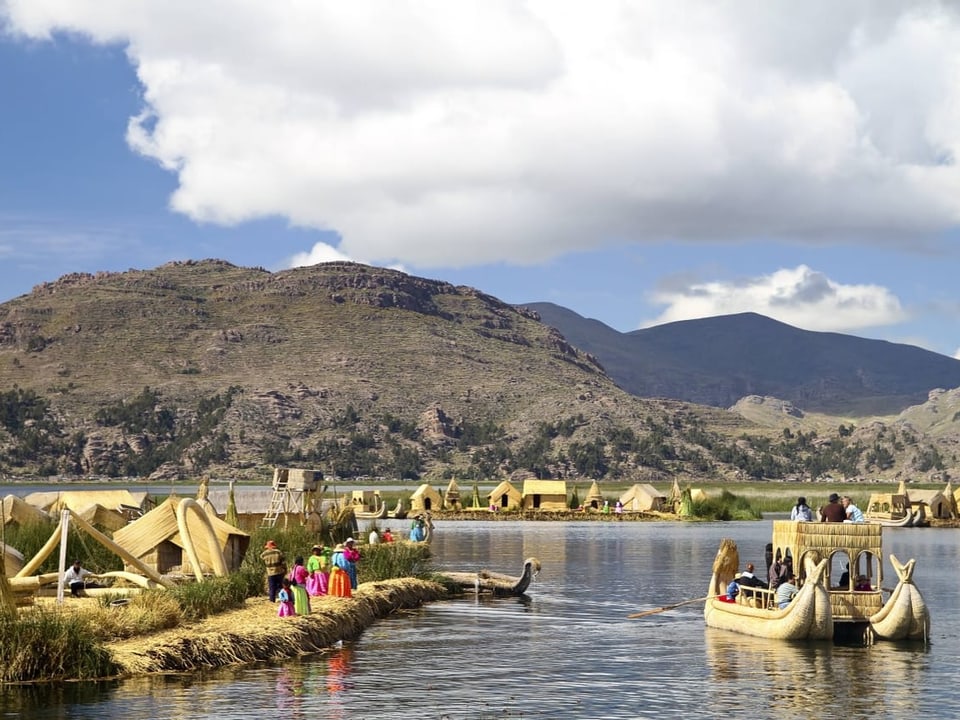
{"points": [[568, 650]]}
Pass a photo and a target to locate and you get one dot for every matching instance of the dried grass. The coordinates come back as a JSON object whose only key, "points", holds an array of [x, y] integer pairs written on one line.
{"points": [[255, 633]]}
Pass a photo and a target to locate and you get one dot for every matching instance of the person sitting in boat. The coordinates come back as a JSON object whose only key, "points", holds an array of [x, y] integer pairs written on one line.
{"points": [[863, 584], [853, 514], [801, 511], [833, 511], [787, 591], [844, 583], [749, 580], [733, 589]]}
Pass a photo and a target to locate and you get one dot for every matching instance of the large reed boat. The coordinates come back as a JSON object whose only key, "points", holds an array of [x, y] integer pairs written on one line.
{"points": [[839, 571]]}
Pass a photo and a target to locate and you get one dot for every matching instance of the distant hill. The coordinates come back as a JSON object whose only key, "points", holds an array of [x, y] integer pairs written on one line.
{"points": [[719, 360], [203, 366]]}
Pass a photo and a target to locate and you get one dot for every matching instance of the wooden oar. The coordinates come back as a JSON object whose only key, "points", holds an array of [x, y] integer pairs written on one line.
{"points": [[669, 607]]}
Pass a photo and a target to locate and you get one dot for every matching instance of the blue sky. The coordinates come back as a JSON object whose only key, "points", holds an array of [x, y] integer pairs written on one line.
{"points": [[635, 162]]}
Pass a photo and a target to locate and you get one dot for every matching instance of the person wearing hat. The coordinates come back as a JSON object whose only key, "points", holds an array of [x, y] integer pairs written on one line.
{"points": [[318, 571], [276, 566], [801, 511], [833, 511], [339, 584]]}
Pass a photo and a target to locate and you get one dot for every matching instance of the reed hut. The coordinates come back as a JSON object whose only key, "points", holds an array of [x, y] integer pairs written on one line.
{"points": [[937, 506], [155, 540], [425, 498], [102, 518], [505, 497], [17, 511], [594, 498], [642, 497], [545, 495], [78, 500], [451, 498]]}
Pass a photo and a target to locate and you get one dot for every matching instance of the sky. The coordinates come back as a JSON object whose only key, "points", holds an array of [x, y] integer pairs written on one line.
{"points": [[636, 162]]}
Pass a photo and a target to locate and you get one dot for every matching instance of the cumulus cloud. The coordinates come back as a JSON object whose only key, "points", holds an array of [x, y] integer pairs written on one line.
{"points": [[458, 132], [800, 296]]}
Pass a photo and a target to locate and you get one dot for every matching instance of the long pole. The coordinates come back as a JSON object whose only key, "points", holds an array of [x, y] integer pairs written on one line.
{"points": [[64, 528]]}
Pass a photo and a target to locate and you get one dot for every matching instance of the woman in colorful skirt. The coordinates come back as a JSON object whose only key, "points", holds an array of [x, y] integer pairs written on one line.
{"points": [[298, 584], [339, 583], [285, 600], [318, 571]]}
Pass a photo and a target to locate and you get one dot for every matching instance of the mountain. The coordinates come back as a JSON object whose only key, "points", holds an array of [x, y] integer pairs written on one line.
{"points": [[719, 360], [203, 366]]}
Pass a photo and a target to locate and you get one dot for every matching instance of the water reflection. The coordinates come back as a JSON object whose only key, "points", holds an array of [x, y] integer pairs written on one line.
{"points": [[567, 649]]}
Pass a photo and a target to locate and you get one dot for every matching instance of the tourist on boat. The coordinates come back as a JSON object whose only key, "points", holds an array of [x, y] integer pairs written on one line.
{"points": [[276, 566], [853, 513], [801, 511], [339, 584], [780, 570], [787, 591], [318, 571], [845, 578], [833, 511], [285, 596], [374, 538], [351, 556], [387, 536], [733, 589], [863, 584]]}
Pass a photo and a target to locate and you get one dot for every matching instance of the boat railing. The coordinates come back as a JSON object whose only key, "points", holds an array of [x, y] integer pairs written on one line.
{"points": [[757, 597]]}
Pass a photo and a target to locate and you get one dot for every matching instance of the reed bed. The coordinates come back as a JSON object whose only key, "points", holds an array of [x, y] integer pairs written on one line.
{"points": [[255, 633]]}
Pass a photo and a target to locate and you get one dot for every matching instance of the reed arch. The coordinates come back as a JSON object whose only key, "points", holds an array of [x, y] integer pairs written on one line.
{"points": [[217, 561]]}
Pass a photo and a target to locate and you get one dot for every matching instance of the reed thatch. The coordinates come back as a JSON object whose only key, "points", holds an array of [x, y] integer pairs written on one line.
{"points": [[505, 496], [17, 510], [255, 633]]}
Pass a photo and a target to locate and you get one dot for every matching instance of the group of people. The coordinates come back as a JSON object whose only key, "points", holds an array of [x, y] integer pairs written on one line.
{"points": [[326, 572], [781, 580], [837, 509]]}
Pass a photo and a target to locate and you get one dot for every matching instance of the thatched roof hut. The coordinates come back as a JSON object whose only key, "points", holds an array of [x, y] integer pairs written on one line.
{"points": [[594, 498], [425, 498], [504, 496], [544, 495], [102, 517], [451, 498], [155, 540], [643, 497], [78, 500], [18, 511], [937, 505]]}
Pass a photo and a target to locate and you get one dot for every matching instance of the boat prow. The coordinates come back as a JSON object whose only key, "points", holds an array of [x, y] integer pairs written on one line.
{"points": [[807, 617], [904, 616], [498, 584]]}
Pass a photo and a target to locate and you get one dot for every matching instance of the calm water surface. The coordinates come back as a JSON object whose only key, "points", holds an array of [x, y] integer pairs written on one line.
{"points": [[567, 650]]}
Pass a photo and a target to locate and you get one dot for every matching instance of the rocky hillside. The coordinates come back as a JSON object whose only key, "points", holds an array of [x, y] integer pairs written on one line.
{"points": [[206, 368]]}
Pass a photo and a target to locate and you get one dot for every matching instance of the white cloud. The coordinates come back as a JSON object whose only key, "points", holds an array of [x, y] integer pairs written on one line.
{"points": [[320, 253], [459, 132], [800, 296]]}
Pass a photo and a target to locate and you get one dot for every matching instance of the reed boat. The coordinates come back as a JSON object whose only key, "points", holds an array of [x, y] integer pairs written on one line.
{"points": [[829, 605], [499, 585], [891, 510]]}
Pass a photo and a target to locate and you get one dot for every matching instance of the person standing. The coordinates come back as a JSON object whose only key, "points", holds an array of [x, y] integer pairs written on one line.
{"points": [[351, 556], [833, 511], [374, 538], [801, 511], [339, 585], [285, 595], [276, 566], [318, 567], [852, 512]]}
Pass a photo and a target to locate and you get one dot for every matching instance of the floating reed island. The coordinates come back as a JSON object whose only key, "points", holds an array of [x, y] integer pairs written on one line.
{"points": [[255, 633]]}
